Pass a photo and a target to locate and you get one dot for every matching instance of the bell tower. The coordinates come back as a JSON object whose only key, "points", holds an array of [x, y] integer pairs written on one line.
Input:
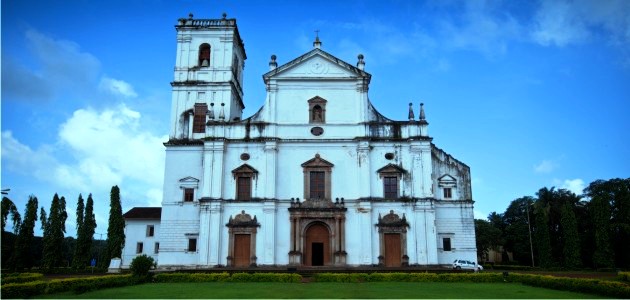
{"points": [[208, 81]]}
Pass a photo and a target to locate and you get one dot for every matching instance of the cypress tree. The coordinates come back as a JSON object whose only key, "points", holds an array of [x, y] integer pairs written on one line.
{"points": [[116, 228], [77, 259], [600, 214], [89, 227], [22, 257], [543, 243], [54, 228], [8, 207], [571, 245]]}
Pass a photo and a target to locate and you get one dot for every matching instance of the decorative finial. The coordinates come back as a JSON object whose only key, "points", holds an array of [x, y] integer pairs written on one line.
{"points": [[211, 112], [317, 44], [361, 62], [422, 116], [222, 113], [272, 63], [411, 114], [190, 16], [224, 16]]}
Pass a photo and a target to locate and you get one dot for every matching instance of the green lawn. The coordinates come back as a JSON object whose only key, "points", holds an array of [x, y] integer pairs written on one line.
{"points": [[327, 290]]}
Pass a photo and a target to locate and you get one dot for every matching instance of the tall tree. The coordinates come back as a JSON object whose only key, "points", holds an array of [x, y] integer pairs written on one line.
{"points": [[8, 207], [541, 234], [54, 228], [600, 211], [570, 237], [488, 238], [77, 259], [116, 228], [85, 235], [22, 256], [517, 229]]}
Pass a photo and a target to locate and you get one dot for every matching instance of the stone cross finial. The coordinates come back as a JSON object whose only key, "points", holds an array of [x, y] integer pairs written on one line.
{"points": [[317, 44]]}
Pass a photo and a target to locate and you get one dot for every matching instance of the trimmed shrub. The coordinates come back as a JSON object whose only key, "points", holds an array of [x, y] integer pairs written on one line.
{"points": [[21, 277], [623, 276], [23, 290], [141, 265], [225, 277], [81, 285], [580, 285], [408, 277]]}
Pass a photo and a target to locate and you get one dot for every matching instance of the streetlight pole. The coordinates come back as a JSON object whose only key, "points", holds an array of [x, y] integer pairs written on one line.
{"points": [[529, 226]]}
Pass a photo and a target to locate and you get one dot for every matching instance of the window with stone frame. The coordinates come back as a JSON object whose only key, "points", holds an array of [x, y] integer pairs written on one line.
{"points": [[317, 178], [150, 230], [139, 247], [317, 110], [448, 193], [244, 175], [446, 244], [192, 244], [189, 194], [244, 188], [448, 184], [204, 55], [199, 119], [391, 175], [156, 249]]}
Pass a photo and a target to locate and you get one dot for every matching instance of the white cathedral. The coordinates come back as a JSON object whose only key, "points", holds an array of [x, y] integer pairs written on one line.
{"points": [[316, 177]]}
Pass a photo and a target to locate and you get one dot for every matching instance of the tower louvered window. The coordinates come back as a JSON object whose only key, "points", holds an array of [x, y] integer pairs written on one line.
{"points": [[199, 123]]}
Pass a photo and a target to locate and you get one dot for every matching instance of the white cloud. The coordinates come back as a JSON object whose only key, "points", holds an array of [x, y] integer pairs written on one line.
{"points": [[574, 185], [480, 215], [117, 87], [545, 166]]}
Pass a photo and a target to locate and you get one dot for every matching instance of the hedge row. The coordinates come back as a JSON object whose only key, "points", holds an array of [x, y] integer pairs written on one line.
{"points": [[408, 277], [509, 267], [225, 277], [21, 277], [590, 286], [77, 285], [623, 276]]}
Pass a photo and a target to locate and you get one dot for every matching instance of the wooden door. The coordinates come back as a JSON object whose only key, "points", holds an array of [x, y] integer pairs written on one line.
{"points": [[242, 254], [317, 240], [392, 250]]}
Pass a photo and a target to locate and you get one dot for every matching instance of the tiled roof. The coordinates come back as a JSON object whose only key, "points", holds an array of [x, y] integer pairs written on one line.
{"points": [[144, 213]]}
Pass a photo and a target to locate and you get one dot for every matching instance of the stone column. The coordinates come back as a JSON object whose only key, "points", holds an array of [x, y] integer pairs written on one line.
{"points": [[216, 229], [269, 233]]}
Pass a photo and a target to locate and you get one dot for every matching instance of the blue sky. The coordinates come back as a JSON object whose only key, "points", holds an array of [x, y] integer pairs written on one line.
{"points": [[527, 93]]}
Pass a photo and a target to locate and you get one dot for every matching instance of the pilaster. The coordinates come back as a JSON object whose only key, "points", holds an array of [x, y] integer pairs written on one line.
{"points": [[271, 153], [269, 233], [215, 230], [204, 234], [366, 232], [363, 157]]}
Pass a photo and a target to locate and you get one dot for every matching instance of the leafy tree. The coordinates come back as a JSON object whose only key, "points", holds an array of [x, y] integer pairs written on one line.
{"points": [[541, 235], [517, 231], [22, 256], [488, 237], [116, 228], [571, 245], [141, 265], [600, 212], [54, 228], [77, 259], [8, 207], [85, 235]]}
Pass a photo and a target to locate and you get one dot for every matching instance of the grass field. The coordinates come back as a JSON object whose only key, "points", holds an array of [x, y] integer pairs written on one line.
{"points": [[328, 290]]}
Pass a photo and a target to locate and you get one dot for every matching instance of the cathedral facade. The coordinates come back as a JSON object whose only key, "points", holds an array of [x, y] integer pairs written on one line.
{"points": [[316, 177]]}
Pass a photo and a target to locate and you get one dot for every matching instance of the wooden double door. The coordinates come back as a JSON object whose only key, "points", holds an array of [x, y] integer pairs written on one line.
{"points": [[317, 246], [393, 253], [242, 250]]}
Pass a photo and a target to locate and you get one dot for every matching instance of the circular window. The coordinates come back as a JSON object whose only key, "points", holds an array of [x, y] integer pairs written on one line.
{"points": [[244, 156], [317, 131], [389, 156]]}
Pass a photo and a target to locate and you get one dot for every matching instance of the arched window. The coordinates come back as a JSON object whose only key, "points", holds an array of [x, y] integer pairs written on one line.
{"points": [[204, 55]]}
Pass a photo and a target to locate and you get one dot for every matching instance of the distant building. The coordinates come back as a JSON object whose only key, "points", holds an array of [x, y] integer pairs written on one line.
{"points": [[316, 177]]}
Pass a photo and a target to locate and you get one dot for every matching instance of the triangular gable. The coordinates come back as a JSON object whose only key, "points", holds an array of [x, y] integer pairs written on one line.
{"points": [[317, 162], [391, 168], [245, 168], [189, 179], [316, 63], [447, 181]]}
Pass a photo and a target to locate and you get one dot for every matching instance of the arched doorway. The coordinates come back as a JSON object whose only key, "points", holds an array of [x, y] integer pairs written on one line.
{"points": [[317, 245]]}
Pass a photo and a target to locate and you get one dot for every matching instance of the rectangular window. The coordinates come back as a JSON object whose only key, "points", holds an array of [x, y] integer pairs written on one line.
{"points": [[244, 188], [199, 121], [156, 249], [139, 246], [447, 193], [150, 230], [189, 195], [192, 245], [390, 186], [446, 244], [317, 183]]}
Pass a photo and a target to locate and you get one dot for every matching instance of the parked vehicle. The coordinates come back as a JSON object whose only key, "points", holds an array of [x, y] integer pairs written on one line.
{"points": [[460, 264]]}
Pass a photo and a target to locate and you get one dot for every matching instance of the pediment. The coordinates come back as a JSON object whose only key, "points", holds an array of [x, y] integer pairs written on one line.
{"points": [[447, 181], [317, 161], [245, 168], [316, 64], [189, 179], [391, 168]]}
